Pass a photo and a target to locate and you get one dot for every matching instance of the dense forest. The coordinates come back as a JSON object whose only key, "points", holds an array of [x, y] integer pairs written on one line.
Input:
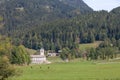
{"points": [[22, 16], [61, 33], [31, 13]]}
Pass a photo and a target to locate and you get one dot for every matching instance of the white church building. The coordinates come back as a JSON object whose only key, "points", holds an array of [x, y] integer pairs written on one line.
{"points": [[39, 59]]}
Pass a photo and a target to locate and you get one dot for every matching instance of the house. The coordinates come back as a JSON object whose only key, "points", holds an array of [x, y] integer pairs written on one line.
{"points": [[39, 59], [20, 8], [52, 54]]}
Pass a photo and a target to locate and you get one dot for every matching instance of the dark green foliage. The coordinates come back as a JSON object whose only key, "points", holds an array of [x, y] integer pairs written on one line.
{"points": [[22, 17], [93, 54], [5, 46], [106, 50], [69, 54], [104, 53], [65, 33], [19, 56], [16, 54], [118, 43], [106, 43], [20, 14], [65, 54], [79, 5]]}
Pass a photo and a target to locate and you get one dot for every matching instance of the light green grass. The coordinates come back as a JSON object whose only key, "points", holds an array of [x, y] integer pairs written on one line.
{"points": [[71, 71], [83, 47], [56, 59], [1, 23], [1, 18], [31, 51]]}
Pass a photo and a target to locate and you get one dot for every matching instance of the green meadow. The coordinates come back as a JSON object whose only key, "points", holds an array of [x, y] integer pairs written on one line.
{"points": [[70, 71], [77, 69], [86, 46], [1, 18]]}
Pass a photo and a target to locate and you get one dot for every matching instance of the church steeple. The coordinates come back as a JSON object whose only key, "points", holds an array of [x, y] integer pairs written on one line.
{"points": [[42, 51]]}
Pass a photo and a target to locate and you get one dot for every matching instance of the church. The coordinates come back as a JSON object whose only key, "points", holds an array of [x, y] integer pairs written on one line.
{"points": [[39, 59]]}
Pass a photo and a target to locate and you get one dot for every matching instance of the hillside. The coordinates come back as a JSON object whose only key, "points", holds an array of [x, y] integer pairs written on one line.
{"points": [[61, 33], [80, 6], [30, 13], [97, 26], [54, 24]]}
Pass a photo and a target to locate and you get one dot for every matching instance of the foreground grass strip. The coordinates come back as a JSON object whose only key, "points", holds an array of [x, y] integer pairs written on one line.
{"points": [[71, 71]]}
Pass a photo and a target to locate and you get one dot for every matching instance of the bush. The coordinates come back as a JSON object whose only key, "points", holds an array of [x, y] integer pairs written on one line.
{"points": [[6, 69]]}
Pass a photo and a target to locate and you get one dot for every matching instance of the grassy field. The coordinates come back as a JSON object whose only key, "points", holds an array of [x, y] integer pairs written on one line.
{"points": [[70, 71], [83, 47], [1, 18], [31, 51], [77, 69]]}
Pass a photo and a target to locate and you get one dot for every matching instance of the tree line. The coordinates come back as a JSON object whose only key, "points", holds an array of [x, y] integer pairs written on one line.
{"points": [[105, 51]]}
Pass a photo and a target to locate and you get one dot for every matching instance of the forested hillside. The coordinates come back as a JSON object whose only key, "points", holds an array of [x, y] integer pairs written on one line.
{"points": [[68, 32], [25, 14], [80, 6], [56, 24]]}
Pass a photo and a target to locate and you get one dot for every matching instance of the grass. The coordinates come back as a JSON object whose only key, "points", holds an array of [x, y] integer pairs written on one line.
{"points": [[74, 70], [70, 71], [31, 51], [83, 47], [56, 59], [1, 23], [1, 18]]}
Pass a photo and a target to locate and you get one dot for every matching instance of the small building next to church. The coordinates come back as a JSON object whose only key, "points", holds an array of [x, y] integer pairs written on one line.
{"points": [[39, 59]]}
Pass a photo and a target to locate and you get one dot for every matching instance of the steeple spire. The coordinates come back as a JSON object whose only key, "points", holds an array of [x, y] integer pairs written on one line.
{"points": [[42, 51]]}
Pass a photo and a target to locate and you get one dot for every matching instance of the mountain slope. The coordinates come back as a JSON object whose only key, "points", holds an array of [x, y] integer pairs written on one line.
{"points": [[78, 4], [116, 10], [51, 24], [29, 13]]}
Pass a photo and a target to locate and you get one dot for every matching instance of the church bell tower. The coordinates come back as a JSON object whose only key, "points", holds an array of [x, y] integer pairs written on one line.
{"points": [[42, 52]]}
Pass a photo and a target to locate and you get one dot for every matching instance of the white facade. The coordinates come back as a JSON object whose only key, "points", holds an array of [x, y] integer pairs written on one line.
{"points": [[38, 59]]}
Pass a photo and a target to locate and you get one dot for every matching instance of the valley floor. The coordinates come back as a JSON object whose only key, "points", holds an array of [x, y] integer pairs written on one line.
{"points": [[70, 71]]}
